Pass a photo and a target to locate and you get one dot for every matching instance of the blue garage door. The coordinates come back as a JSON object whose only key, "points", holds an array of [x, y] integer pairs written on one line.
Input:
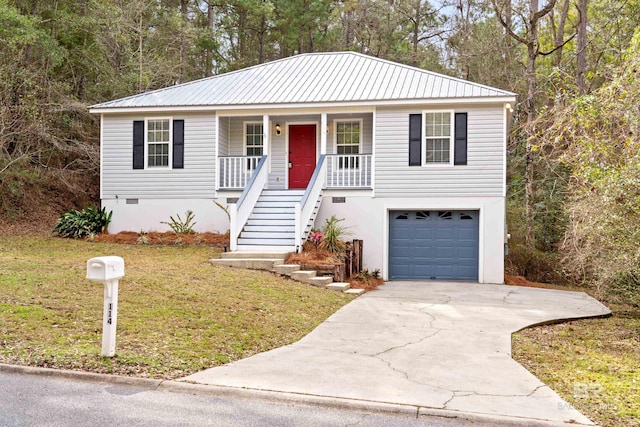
{"points": [[438, 245]]}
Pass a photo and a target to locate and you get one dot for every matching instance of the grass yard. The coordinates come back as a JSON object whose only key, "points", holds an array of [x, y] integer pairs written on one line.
{"points": [[594, 364], [177, 313]]}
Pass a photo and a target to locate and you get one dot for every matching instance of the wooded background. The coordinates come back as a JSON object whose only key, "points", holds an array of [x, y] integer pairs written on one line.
{"points": [[574, 168]]}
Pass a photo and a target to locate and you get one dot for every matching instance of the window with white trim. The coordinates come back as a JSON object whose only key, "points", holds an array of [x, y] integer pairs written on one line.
{"points": [[438, 137], [158, 142], [348, 141], [253, 139]]}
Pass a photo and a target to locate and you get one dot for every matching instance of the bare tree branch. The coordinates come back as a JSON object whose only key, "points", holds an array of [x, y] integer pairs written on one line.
{"points": [[558, 47]]}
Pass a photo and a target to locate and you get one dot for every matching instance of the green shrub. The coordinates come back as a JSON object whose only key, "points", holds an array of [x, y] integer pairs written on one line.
{"points": [[180, 226], [624, 288], [78, 224], [534, 264]]}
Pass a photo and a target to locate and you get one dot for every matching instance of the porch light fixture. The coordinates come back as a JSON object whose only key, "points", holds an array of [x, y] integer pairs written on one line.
{"points": [[278, 129]]}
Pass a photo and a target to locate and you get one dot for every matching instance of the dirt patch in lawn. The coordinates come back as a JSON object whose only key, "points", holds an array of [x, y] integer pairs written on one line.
{"points": [[164, 238]]}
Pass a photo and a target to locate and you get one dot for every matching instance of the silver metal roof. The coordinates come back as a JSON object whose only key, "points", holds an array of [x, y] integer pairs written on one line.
{"points": [[312, 78]]}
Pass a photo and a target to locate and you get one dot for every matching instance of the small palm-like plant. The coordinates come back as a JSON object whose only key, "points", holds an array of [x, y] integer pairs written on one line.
{"points": [[180, 226], [333, 232]]}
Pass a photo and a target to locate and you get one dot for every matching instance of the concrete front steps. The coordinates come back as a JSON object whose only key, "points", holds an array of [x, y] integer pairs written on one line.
{"points": [[274, 261]]}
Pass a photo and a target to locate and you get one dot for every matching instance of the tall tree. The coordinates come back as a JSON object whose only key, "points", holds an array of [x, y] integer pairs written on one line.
{"points": [[530, 39], [424, 23], [581, 48]]}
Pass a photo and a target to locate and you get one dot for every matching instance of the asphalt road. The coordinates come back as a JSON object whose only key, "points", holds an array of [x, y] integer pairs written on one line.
{"points": [[32, 400]]}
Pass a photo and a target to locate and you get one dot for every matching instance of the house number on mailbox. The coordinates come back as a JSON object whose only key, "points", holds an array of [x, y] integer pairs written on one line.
{"points": [[109, 314]]}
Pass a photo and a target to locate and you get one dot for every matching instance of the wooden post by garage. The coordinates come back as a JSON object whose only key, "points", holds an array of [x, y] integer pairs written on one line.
{"points": [[357, 256]]}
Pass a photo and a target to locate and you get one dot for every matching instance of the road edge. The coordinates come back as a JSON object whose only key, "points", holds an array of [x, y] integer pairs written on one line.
{"points": [[412, 411]]}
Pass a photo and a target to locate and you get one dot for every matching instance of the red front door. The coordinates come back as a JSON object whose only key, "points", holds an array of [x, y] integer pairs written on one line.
{"points": [[302, 154]]}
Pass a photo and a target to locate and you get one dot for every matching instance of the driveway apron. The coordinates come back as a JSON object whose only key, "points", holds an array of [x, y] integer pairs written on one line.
{"points": [[436, 346]]}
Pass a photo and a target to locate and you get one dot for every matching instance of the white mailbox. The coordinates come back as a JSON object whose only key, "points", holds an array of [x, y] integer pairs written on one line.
{"points": [[105, 268]]}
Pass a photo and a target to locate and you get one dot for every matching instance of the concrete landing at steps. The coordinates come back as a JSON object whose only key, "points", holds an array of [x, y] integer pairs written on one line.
{"points": [[439, 347], [251, 260]]}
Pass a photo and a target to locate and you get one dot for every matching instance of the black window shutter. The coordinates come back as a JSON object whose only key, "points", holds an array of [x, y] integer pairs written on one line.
{"points": [[138, 144], [460, 147], [415, 139], [178, 144]]}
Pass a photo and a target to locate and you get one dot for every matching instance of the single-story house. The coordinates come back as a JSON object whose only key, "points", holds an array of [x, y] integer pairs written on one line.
{"points": [[413, 161]]}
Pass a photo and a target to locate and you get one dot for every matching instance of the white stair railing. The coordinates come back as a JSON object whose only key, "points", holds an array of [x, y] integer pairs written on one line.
{"points": [[239, 212], [349, 171], [235, 171], [304, 211]]}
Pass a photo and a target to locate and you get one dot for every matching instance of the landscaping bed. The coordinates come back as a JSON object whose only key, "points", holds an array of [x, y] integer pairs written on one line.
{"points": [[164, 238], [328, 263]]}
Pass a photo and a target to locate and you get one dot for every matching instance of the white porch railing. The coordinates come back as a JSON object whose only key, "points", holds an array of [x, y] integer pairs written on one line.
{"points": [[304, 211], [235, 171], [239, 212], [348, 170]]}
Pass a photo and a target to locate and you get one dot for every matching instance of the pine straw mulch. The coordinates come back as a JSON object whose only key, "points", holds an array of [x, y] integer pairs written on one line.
{"points": [[522, 281], [312, 256], [164, 238], [368, 284]]}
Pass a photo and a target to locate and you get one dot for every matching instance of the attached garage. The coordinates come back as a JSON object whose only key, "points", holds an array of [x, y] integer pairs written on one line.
{"points": [[433, 245]]}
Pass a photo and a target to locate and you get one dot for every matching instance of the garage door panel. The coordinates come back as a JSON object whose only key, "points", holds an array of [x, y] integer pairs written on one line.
{"points": [[445, 254], [444, 271], [467, 253], [433, 245], [421, 271]]}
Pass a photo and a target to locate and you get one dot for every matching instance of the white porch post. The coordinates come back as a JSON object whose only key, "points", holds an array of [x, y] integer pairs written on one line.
{"points": [[323, 133], [266, 140], [216, 138]]}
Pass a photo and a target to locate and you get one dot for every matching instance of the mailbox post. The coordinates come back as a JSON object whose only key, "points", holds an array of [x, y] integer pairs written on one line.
{"points": [[107, 270]]}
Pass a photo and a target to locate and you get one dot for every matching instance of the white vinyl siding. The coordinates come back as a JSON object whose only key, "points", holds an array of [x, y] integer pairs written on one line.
{"points": [[121, 181], [223, 137], [482, 176]]}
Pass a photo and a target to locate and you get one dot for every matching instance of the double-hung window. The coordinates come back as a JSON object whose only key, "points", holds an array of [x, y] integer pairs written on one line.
{"points": [[158, 139], [348, 141], [438, 137], [253, 142]]}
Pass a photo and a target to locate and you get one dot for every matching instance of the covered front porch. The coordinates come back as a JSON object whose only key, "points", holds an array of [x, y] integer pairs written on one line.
{"points": [[293, 145], [281, 164]]}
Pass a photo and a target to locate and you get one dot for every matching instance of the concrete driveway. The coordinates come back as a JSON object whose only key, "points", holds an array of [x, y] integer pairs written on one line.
{"points": [[439, 348]]}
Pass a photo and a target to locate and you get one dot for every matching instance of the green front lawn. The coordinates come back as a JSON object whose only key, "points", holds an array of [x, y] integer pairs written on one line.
{"points": [[177, 313]]}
